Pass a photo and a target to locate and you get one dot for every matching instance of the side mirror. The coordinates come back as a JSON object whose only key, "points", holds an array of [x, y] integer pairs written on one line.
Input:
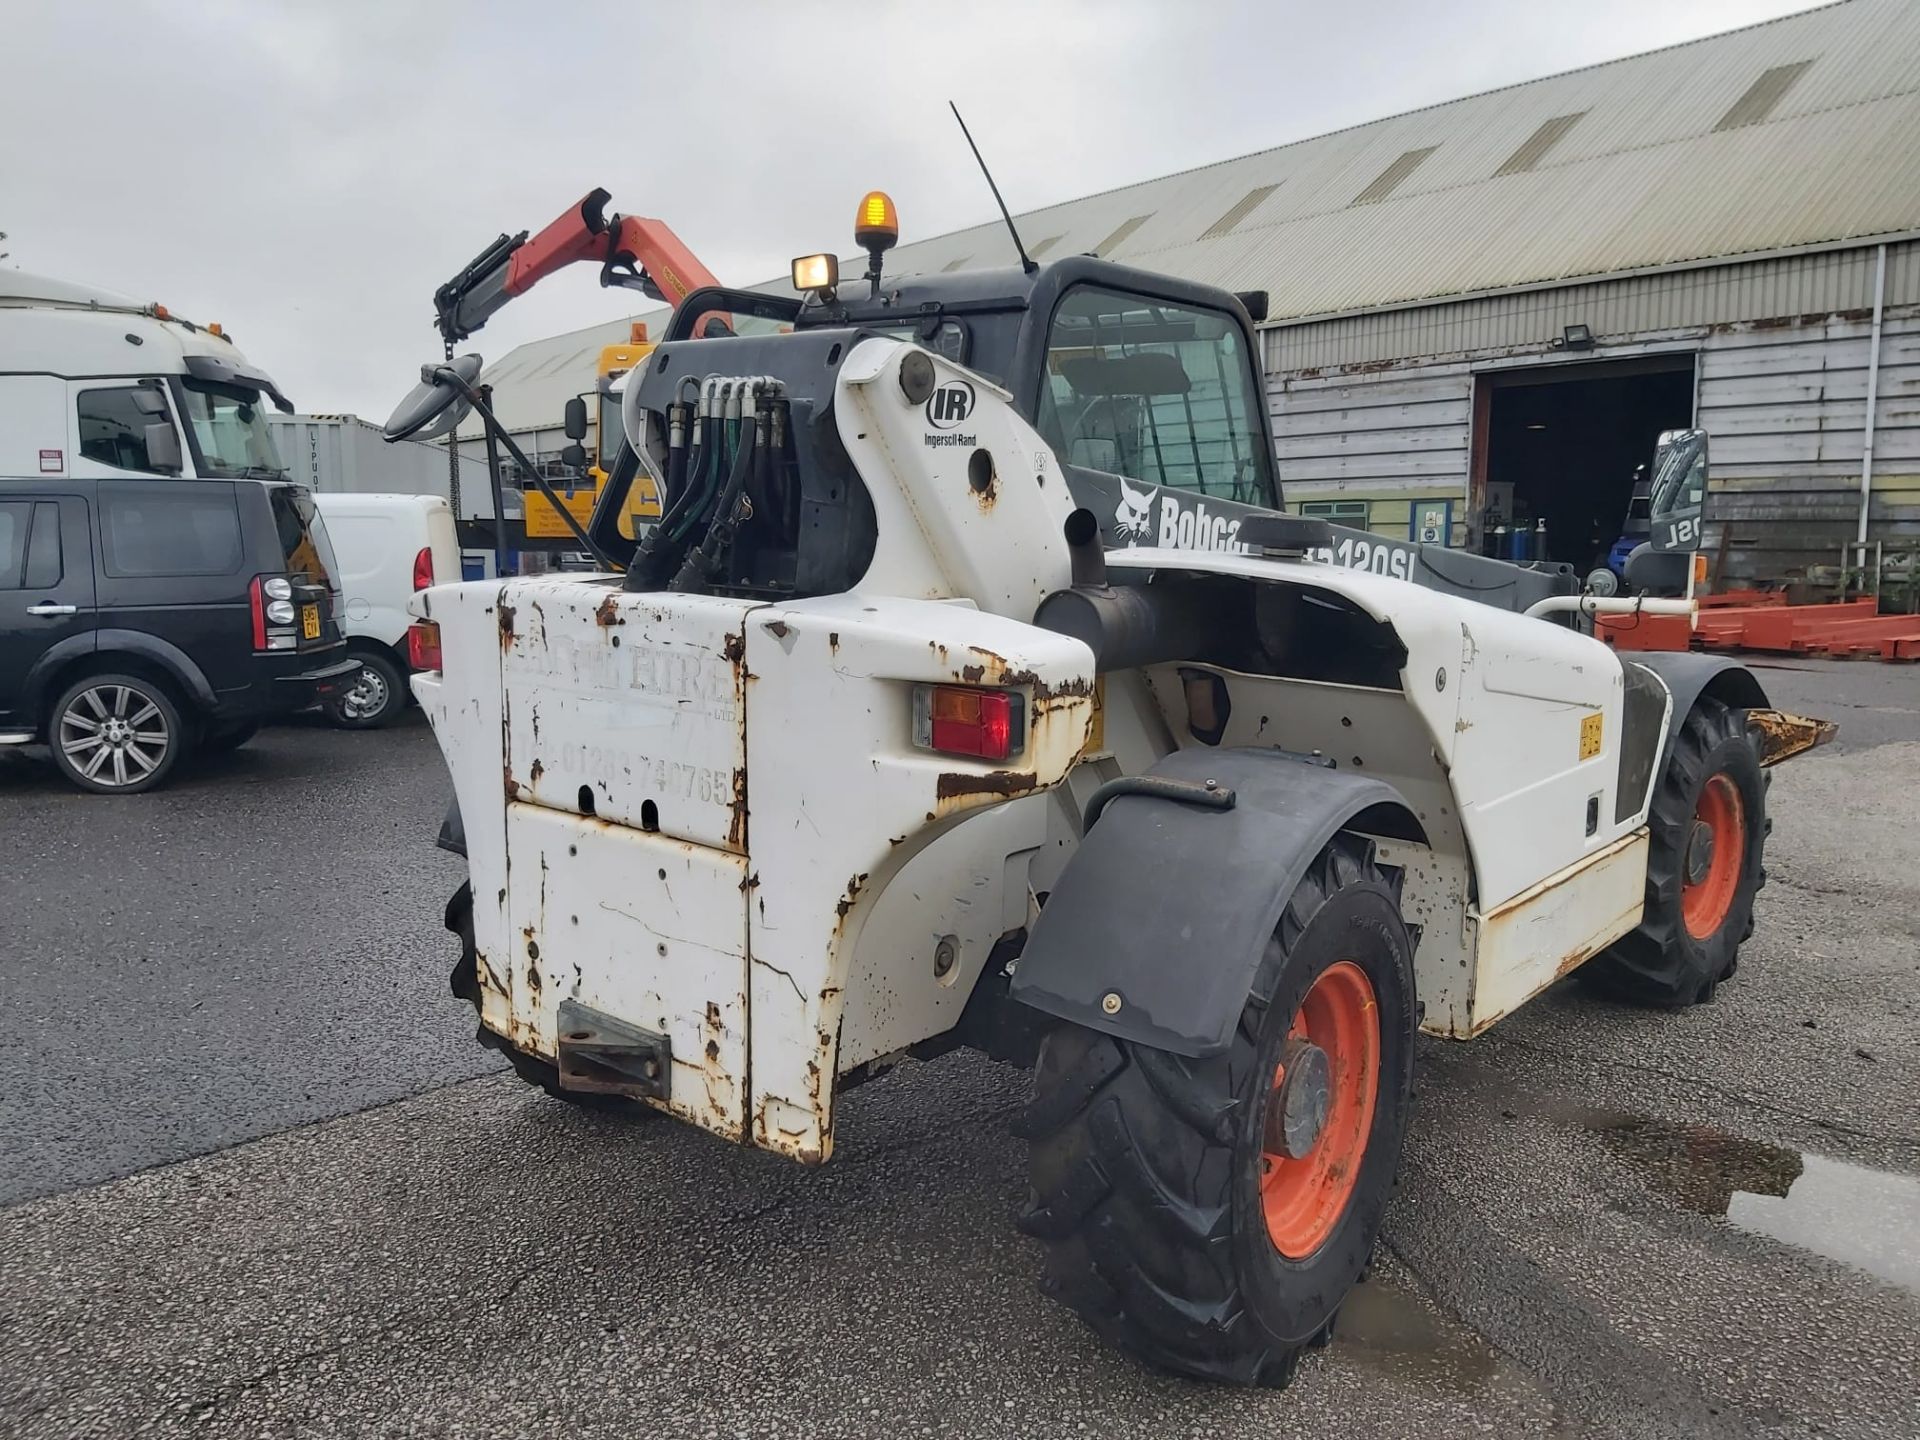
{"points": [[163, 447], [575, 423], [1678, 493], [149, 401], [574, 456], [434, 406]]}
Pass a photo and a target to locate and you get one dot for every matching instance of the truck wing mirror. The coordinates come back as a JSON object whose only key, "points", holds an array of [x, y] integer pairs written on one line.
{"points": [[163, 447], [574, 456], [149, 401], [436, 405], [575, 422], [1678, 494]]}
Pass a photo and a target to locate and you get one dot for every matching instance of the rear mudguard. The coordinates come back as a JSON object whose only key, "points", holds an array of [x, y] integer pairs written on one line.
{"points": [[453, 830], [1156, 927]]}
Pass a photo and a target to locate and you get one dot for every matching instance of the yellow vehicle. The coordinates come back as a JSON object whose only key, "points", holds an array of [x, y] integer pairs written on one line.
{"points": [[643, 500]]}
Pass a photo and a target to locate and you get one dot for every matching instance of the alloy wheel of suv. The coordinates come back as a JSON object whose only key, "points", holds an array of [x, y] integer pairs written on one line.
{"points": [[117, 734]]}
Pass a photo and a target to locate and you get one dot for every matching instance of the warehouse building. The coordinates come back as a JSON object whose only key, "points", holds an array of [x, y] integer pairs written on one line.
{"points": [[1482, 314]]}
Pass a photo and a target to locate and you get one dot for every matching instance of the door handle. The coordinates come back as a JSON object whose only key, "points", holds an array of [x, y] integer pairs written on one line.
{"points": [[51, 609]]}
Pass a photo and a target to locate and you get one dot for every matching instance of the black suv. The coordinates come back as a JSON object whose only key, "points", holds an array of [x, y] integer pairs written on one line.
{"points": [[142, 618]]}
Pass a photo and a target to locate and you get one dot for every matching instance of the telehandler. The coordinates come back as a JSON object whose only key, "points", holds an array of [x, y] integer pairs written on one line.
{"points": [[973, 689]]}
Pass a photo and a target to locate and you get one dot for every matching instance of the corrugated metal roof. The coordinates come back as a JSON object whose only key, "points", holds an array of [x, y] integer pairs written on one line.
{"points": [[1631, 173], [1644, 179]]}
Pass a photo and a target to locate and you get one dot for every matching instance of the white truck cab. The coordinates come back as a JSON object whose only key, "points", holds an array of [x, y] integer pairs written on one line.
{"points": [[95, 385]]}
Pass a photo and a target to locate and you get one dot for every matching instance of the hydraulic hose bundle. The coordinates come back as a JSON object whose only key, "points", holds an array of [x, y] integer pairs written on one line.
{"points": [[722, 449]]}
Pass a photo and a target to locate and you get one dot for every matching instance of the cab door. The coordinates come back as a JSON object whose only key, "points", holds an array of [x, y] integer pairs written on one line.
{"points": [[46, 594]]}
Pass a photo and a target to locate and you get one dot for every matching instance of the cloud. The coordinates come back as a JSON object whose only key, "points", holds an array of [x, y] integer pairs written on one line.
{"points": [[309, 173]]}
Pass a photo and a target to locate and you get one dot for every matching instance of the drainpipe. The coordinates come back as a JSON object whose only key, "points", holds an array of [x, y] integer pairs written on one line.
{"points": [[1873, 396]]}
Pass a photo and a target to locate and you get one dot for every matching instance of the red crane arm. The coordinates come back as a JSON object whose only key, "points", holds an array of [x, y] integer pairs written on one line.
{"points": [[632, 251]]}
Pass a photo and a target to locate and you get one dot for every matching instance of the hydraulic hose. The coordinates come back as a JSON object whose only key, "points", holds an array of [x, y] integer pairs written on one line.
{"points": [[702, 557]]}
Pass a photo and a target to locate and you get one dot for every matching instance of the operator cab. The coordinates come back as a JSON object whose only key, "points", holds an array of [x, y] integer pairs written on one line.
{"points": [[1146, 388]]}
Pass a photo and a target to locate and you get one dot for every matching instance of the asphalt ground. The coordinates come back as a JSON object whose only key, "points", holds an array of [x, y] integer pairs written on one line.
{"points": [[261, 1183]]}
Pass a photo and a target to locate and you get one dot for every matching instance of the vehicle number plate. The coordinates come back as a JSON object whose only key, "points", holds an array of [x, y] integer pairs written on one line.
{"points": [[310, 621]]}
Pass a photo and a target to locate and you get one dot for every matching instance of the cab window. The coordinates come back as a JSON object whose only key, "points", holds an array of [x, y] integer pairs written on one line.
{"points": [[112, 430], [1155, 391]]}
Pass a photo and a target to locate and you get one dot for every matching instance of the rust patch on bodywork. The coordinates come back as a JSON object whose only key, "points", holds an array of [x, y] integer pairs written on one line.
{"points": [[512, 785], [535, 772], [1782, 736], [954, 784], [506, 624], [846, 901], [737, 824], [607, 613], [734, 649]]}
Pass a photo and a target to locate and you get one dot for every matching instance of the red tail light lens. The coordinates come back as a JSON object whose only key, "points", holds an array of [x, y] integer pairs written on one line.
{"points": [[423, 645], [257, 603], [423, 569], [965, 720]]}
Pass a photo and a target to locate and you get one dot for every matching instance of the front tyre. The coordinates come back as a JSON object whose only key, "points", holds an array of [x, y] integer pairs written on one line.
{"points": [[1211, 1215], [115, 734], [1706, 829]]}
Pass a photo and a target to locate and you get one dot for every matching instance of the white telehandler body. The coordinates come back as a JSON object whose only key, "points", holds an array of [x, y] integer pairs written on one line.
{"points": [[947, 705]]}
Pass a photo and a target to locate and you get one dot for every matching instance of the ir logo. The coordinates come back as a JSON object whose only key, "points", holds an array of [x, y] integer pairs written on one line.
{"points": [[950, 405]]}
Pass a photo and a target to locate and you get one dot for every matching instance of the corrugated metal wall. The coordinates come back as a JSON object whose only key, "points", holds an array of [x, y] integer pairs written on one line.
{"points": [[1782, 352]]}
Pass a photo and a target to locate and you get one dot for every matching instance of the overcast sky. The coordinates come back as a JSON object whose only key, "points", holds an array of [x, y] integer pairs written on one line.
{"points": [[309, 173]]}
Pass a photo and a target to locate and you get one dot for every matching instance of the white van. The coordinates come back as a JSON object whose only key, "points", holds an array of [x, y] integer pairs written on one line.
{"points": [[387, 546]]}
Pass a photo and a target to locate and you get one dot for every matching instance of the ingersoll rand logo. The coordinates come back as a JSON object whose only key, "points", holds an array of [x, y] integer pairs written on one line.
{"points": [[950, 405]]}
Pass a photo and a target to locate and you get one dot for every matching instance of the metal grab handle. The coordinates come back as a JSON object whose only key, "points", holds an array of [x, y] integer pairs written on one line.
{"points": [[1209, 796], [49, 608]]}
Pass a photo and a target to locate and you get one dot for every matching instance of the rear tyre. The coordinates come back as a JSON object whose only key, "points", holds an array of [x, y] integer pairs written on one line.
{"points": [[465, 984], [1210, 1215], [115, 734], [1707, 828], [373, 697]]}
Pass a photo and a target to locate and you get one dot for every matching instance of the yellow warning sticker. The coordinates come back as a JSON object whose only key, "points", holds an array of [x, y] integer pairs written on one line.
{"points": [[1590, 728]]}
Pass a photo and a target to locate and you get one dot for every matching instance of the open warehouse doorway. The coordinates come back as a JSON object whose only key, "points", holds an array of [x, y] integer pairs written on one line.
{"points": [[1564, 444]]}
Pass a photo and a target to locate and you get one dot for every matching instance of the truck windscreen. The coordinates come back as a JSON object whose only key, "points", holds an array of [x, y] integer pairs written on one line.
{"points": [[230, 435]]}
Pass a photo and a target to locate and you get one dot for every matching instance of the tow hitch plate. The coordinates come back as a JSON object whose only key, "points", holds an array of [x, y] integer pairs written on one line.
{"points": [[609, 1056]]}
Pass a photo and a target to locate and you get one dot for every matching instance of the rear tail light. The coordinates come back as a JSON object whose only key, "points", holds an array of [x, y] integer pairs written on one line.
{"points": [[965, 720], [275, 620], [423, 645], [423, 569]]}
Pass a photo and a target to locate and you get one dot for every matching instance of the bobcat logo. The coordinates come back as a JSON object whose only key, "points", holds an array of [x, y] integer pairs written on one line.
{"points": [[1135, 516]]}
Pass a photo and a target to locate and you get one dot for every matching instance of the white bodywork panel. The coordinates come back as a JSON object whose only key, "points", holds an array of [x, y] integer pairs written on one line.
{"points": [[375, 539], [706, 818]]}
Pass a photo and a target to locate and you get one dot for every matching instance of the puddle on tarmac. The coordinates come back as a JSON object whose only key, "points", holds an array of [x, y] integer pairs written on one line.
{"points": [[1869, 1219], [1383, 1325]]}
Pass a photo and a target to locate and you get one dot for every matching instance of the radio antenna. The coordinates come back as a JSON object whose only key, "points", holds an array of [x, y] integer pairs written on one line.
{"points": [[1026, 262]]}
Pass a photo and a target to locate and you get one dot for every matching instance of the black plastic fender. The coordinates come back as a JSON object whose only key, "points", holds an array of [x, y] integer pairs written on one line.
{"points": [[177, 664], [1156, 927], [1689, 676], [453, 830]]}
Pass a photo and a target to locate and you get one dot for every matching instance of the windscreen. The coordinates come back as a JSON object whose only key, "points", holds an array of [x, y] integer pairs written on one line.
{"points": [[230, 433]]}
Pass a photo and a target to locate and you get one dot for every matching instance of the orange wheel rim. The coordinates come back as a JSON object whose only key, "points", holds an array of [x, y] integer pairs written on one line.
{"points": [[1330, 1074], [1714, 855]]}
